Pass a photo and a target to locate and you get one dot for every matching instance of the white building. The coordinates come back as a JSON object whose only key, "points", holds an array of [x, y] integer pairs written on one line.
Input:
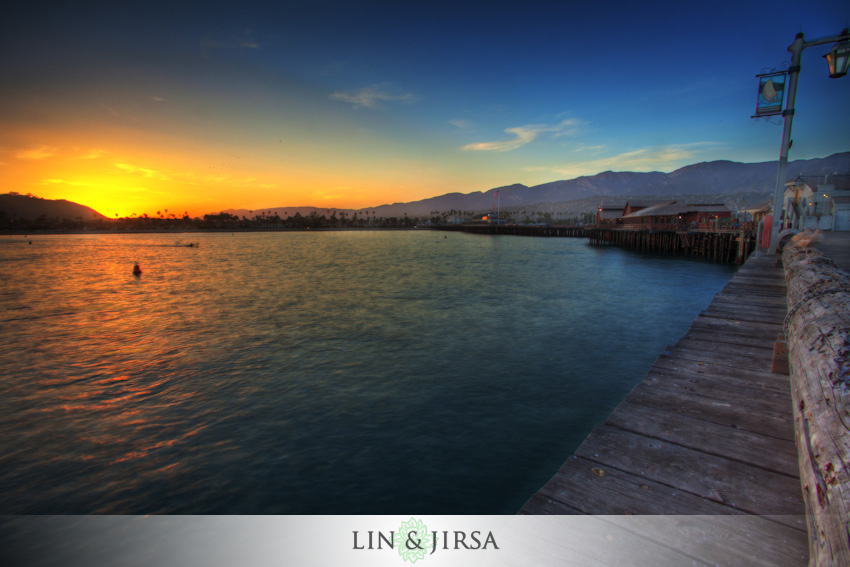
{"points": [[821, 202]]}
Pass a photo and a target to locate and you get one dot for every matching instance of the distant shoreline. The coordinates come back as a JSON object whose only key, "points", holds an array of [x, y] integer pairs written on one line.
{"points": [[202, 230]]}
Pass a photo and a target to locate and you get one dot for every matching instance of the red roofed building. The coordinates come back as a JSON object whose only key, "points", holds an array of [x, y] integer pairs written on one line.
{"points": [[677, 216]]}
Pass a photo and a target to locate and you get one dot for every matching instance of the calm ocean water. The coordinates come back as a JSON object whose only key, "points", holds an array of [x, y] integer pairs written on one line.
{"points": [[336, 372]]}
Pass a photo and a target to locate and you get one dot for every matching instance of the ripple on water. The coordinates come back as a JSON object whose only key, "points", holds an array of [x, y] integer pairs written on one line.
{"points": [[340, 372]]}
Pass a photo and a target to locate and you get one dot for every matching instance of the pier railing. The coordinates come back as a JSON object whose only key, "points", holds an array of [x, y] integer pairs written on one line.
{"points": [[521, 229], [817, 328], [710, 226]]}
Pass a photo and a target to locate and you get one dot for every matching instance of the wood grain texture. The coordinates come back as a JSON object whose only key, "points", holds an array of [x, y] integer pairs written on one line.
{"points": [[819, 358]]}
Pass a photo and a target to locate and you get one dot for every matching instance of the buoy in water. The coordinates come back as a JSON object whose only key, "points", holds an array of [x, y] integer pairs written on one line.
{"points": [[137, 270]]}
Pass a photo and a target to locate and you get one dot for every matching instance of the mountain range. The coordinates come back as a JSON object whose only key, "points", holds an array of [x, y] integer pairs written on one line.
{"points": [[714, 178], [717, 181]]}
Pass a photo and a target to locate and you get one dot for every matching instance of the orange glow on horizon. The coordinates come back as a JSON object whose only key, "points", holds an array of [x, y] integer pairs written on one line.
{"points": [[124, 171], [122, 184], [134, 154]]}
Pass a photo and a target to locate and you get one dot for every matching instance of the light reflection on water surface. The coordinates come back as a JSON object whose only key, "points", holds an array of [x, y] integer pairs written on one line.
{"points": [[342, 372]]}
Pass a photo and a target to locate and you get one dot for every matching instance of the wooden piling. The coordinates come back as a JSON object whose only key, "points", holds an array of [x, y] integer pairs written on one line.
{"points": [[726, 246]]}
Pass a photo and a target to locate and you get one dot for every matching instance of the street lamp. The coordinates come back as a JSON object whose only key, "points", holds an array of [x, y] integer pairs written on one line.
{"points": [[838, 59]]}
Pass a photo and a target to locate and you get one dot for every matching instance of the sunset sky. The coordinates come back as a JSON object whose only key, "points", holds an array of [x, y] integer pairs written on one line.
{"points": [[137, 107]]}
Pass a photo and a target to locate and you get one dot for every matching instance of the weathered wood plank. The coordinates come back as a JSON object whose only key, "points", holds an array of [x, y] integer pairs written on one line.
{"points": [[758, 286], [721, 412], [729, 338], [748, 299], [752, 290], [739, 392], [774, 312], [750, 326], [719, 325], [737, 485], [759, 273], [735, 322], [758, 280], [754, 361], [619, 492], [724, 383], [707, 343], [744, 314], [666, 388], [732, 394], [761, 451], [689, 368]]}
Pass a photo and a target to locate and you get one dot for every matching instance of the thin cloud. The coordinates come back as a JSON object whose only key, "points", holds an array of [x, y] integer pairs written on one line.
{"points": [[462, 124], [524, 135], [370, 97], [36, 152], [54, 181], [146, 172], [586, 148]]}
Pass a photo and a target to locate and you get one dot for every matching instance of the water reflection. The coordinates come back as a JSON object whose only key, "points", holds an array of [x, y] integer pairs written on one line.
{"points": [[317, 373]]}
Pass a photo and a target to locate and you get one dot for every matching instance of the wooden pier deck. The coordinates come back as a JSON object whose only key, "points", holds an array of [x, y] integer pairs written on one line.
{"points": [[708, 431]]}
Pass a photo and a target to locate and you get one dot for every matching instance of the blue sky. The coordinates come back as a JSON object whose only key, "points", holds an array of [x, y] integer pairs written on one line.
{"points": [[356, 104]]}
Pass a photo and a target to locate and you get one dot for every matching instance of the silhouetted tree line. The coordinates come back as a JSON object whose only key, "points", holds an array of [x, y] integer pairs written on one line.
{"points": [[220, 221], [165, 221]]}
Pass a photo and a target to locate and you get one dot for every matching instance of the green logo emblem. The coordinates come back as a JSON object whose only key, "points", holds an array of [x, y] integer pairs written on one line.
{"points": [[413, 540]]}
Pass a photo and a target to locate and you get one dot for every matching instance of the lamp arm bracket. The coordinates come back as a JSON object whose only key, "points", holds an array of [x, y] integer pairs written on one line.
{"points": [[834, 39]]}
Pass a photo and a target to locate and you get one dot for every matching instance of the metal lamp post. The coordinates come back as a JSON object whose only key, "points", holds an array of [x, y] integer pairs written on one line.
{"points": [[838, 60]]}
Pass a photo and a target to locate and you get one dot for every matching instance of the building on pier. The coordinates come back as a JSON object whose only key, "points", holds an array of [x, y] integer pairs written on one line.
{"points": [[755, 214], [664, 215], [489, 219], [678, 216], [817, 202], [608, 215]]}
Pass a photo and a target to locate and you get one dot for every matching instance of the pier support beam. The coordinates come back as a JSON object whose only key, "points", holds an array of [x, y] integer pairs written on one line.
{"points": [[818, 332]]}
